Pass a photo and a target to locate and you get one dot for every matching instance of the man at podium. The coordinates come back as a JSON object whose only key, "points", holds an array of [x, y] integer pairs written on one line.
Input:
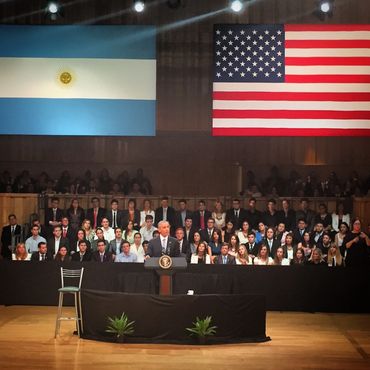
{"points": [[164, 243]]}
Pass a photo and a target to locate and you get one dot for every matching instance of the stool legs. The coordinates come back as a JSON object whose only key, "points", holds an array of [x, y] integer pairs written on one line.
{"points": [[78, 313]]}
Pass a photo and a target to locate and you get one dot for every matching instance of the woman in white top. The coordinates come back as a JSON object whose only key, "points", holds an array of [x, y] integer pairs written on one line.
{"points": [[147, 210], [289, 247], [243, 233], [89, 232], [219, 215], [242, 257], [201, 256], [339, 216], [137, 248], [263, 256], [339, 237], [279, 258], [233, 245], [129, 233], [20, 253]]}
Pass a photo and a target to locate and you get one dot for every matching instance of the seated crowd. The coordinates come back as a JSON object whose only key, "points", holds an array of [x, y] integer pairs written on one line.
{"points": [[235, 236], [273, 186]]}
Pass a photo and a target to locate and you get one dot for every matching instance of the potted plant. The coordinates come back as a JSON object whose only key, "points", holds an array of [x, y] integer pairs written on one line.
{"points": [[120, 326], [202, 329]]}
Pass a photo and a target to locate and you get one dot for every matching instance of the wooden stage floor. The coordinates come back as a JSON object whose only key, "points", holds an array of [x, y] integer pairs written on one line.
{"points": [[299, 341]]}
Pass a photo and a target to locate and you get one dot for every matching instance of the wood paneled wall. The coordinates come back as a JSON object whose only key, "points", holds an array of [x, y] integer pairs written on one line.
{"points": [[183, 158]]}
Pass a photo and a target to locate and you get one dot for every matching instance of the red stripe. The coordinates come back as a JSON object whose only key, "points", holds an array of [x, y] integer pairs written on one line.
{"points": [[327, 27], [288, 114], [327, 61], [290, 96], [327, 79], [327, 44], [288, 132]]}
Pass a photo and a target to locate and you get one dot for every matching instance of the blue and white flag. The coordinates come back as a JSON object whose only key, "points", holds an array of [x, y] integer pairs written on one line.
{"points": [[78, 80]]}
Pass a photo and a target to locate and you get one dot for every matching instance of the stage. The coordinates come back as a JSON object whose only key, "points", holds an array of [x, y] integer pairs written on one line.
{"points": [[299, 341], [286, 288]]}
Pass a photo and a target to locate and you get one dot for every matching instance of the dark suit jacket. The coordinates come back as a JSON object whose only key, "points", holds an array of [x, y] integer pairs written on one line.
{"points": [[190, 239], [49, 216], [101, 214], [275, 245], [252, 250], [63, 241], [185, 249], [119, 218], [297, 237], [6, 239], [230, 260], [178, 221], [71, 235], [196, 218], [253, 218], [36, 257], [288, 219], [205, 235], [86, 257], [171, 216], [155, 247], [309, 216], [237, 221], [271, 220], [107, 257], [125, 219]]}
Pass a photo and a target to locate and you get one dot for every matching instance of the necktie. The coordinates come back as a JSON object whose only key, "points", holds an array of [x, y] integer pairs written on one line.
{"points": [[164, 245], [114, 220], [95, 218], [202, 220], [54, 214], [164, 214], [13, 230], [101, 257], [225, 260], [210, 234], [64, 232], [42, 257]]}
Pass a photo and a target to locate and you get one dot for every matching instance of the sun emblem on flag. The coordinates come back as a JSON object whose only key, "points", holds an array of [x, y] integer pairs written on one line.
{"points": [[65, 78]]}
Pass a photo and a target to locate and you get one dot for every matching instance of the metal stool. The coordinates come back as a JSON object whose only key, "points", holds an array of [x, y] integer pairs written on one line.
{"points": [[76, 291]]}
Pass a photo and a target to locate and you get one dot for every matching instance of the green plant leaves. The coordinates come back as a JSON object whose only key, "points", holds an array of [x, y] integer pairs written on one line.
{"points": [[202, 327], [120, 326]]}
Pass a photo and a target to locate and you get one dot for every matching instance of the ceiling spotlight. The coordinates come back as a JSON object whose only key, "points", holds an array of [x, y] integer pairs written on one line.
{"points": [[324, 9], [325, 6], [236, 6], [53, 10], [139, 6]]}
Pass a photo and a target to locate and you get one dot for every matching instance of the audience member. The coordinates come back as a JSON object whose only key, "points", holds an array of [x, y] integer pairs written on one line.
{"points": [[67, 231], [53, 215], [242, 257], [126, 255], [100, 254], [224, 258], [263, 257], [279, 258], [62, 255], [83, 255], [129, 233], [96, 213], [81, 236], [182, 213], [215, 243], [334, 258], [243, 233], [286, 215], [316, 258], [201, 215], [114, 215], [206, 233], [219, 215], [184, 245], [32, 243], [115, 245], [196, 240], [261, 232], [270, 216], [137, 249], [42, 254], [99, 234], [75, 214], [306, 244], [340, 236], [57, 240], [300, 230], [289, 247], [306, 214], [10, 237], [236, 214], [299, 257], [165, 213], [147, 211], [147, 229], [324, 217], [339, 216], [107, 230], [252, 247], [253, 216], [281, 233], [189, 230], [131, 214], [228, 231], [233, 245], [201, 256], [89, 232], [20, 253]]}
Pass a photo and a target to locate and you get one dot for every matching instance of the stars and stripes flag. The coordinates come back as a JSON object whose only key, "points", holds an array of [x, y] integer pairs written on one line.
{"points": [[291, 80]]}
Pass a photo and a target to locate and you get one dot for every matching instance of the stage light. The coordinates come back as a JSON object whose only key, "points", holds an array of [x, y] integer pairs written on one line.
{"points": [[53, 8], [236, 6], [139, 6], [325, 6]]}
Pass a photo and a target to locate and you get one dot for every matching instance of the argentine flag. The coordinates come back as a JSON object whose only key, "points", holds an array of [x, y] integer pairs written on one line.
{"points": [[78, 80]]}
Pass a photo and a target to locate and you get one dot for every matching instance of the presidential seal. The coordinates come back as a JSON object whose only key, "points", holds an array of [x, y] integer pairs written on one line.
{"points": [[165, 262], [65, 78]]}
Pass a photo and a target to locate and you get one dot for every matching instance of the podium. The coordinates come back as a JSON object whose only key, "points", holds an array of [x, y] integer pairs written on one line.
{"points": [[166, 268]]}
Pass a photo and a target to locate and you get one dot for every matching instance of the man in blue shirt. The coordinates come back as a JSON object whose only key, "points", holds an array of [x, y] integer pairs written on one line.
{"points": [[125, 255]]}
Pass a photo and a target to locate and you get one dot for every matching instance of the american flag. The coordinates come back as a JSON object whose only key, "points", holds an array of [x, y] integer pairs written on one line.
{"points": [[291, 80]]}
